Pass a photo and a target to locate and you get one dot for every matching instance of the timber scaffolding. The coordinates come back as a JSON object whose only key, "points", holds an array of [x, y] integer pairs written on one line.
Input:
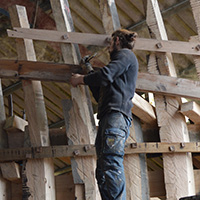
{"points": [[27, 169]]}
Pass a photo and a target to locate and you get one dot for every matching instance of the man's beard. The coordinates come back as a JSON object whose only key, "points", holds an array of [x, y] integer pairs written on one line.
{"points": [[113, 52]]}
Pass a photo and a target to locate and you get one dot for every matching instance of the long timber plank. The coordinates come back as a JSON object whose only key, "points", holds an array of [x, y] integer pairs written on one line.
{"points": [[172, 126], [158, 84], [35, 173], [89, 150], [191, 48]]}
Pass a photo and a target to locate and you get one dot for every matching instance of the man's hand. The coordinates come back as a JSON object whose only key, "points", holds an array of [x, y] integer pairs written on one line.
{"points": [[77, 79]]}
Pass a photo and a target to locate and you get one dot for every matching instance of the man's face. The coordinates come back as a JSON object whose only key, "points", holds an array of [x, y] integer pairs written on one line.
{"points": [[112, 45]]}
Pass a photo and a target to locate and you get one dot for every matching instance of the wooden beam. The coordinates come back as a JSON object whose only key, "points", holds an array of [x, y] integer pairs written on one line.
{"points": [[109, 16], [38, 174], [143, 184], [178, 169], [15, 127], [143, 110], [159, 84], [86, 150], [195, 5], [144, 44], [156, 182], [192, 110], [10, 171], [80, 126], [5, 186], [15, 123], [157, 185]]}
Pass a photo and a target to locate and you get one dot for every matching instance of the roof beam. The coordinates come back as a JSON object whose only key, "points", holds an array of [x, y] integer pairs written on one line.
{"points": [[144, 44], [165, 13]]}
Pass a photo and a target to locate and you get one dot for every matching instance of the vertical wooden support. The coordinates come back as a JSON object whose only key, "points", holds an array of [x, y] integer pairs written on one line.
{"points": [[5, 186], [178, 169], [38, 177], [80, 126], [137, 187], [109, 15], [195, 9]]}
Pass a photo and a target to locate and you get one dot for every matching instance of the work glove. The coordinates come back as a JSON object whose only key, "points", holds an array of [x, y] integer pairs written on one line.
{"points": [[86, 65]]}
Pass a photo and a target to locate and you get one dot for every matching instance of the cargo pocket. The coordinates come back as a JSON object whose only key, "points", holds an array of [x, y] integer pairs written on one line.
{"points": [[114, 140]]}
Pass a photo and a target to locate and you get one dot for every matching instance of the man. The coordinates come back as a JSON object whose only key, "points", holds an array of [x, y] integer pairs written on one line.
{"points": [[113, 87]]}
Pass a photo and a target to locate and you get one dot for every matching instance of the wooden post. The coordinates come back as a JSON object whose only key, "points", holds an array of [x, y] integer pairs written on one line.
{"points": [[195, 9], [5, 186], [178, 169], [134, 165], [80, 126], [38, 178]]}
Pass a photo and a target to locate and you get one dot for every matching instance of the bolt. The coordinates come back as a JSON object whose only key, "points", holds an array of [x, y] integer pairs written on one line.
{"points": [[159, 45], [182, 144], [171, 148], [133, 145], [87, 147], [76, 152], [197, 47], [65, 37]]}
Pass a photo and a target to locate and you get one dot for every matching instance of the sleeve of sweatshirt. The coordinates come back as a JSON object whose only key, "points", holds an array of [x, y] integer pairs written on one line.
{"points": [[108, 73]]}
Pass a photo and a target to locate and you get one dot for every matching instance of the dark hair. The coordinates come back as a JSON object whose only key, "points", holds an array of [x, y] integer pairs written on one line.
{"points": [[127, 38]]}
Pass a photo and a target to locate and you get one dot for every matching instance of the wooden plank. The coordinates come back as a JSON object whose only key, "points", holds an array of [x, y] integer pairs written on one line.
{"points": [[15, 127], [145, 190], [195, 10], [146, 82], [144, 44], [39, 173], [143, 110], [162, 84], [192, 110], [109, 17], [80, 126], [178, 169], [5, 186], [15, 123], [86, 150], [10, 171], [156, 182], [65, 187]]}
